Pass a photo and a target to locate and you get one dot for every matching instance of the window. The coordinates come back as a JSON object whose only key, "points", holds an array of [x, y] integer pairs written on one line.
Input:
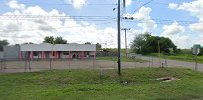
{"points": [[86, 53], [65, 53], [35, 53]]}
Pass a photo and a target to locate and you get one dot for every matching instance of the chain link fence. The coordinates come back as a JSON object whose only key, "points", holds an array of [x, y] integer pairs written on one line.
{"points": [[102, 62]]}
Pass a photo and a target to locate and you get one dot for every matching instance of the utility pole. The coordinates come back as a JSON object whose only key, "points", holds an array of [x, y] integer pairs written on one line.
{"points": [[126, 47], [159, 52], [119, 38]]}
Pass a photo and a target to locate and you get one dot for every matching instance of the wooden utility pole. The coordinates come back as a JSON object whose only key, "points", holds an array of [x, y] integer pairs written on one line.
{"points": [[159, 53], [126, 46], [119, 37]]}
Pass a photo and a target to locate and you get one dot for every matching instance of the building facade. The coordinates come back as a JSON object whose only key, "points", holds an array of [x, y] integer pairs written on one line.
{"points": [[47, 51]]}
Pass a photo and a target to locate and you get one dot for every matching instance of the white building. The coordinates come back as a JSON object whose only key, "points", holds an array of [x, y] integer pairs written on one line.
{"points": [[46, 51]]}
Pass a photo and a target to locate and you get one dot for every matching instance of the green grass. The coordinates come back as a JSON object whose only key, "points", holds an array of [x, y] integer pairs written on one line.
{"points": [[181, 57], [124, 59], [90, 85]]}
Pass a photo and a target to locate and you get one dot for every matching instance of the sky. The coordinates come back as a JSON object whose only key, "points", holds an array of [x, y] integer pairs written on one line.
{"points": [[95, 21]]}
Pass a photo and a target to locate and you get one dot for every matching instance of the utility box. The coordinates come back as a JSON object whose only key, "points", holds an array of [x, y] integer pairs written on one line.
{"points": [[196, 49]]}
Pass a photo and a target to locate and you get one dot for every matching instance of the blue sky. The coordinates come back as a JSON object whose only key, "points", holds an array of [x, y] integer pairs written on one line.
{"points": [[184, 25]]}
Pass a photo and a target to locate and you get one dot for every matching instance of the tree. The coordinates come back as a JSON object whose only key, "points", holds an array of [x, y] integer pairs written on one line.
{"points": [[60, 40], [3, 43], [138, 42], [98, 46], [52, 40], [146, 43], [88, 43], [49, 39]]}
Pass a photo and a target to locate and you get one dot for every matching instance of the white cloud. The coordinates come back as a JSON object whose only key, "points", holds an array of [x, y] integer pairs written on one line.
{"points": [[76, 3], [128, 2], [172, 6], [143, 15], [173, 29], [15, 5], [176, 33], [197, 27], [34, 30], [196, 9]]}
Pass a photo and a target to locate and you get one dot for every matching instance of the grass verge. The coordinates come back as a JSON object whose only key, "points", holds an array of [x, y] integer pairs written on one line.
{"points": [[136, 83], [181, 57]]}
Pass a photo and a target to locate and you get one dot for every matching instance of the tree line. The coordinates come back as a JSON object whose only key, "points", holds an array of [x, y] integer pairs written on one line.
{"points": [[146, 44], [142, 44]]}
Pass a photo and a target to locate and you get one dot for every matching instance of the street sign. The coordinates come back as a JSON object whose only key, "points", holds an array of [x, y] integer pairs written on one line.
{"points": [[196, 49]]}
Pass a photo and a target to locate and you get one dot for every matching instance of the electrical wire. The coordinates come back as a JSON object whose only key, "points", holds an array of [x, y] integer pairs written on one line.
{"points": [[59, 27], [143, 5]]}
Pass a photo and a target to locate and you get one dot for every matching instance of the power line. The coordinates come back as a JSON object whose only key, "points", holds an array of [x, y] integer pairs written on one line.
{"points": [[58, 27], [89, 4], [143, 5], [162, 20], [56, 18], [75, 4], [53, 16], [160, 23], [157, 20], [156, 2]]}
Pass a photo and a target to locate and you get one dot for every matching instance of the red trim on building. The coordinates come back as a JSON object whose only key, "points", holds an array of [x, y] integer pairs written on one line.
{"points": [[21, 55], [83, 55]]}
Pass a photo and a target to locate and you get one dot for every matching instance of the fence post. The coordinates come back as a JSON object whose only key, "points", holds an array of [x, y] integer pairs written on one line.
{"points": [[50, 60], [69, 60], [25, 69], [4, 65], [114, 63], [29, 65], [134, 60], [149, 62], [196, 66], [152, 61], [1, 65], [166, 62]]}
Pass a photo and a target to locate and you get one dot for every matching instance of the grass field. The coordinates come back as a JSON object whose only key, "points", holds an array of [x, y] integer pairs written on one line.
{"points": [[135, 84], [182, 57], [123, 58]]}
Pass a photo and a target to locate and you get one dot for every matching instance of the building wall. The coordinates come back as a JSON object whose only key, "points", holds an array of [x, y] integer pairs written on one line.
{"points": [[34, 51], [11, 52], [65, 55]]}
